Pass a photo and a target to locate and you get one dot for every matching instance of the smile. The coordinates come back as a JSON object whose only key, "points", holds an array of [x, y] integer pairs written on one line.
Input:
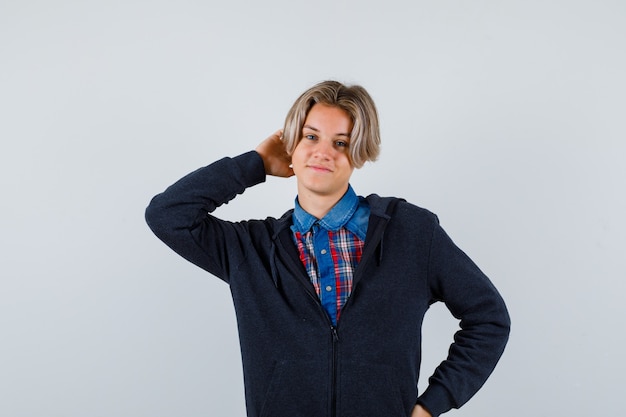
{"points": [[318, 168]]}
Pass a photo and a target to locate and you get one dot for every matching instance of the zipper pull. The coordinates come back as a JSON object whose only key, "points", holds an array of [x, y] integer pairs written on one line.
{"points": [[333, 329]]}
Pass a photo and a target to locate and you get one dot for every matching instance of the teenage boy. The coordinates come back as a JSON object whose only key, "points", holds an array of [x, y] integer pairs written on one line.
{"points": [[330, 297]]}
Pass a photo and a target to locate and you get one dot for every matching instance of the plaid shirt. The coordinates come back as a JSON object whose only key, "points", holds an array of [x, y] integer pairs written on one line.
{"points": [[330, 248]]}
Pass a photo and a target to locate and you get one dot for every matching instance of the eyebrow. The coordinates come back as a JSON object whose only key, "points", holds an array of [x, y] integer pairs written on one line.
{"points": [[317, 130]]}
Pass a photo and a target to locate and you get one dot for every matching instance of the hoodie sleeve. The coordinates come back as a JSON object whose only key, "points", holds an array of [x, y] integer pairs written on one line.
{"points": [[484, 325], [179, 215]]}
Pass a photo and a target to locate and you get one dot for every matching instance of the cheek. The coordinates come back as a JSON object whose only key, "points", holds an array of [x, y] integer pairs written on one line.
{"points": [[346, 165], [298, 154]]}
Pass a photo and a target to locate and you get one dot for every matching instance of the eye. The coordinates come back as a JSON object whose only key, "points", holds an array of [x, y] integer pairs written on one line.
{"points": [[310, 137], [341, 144]]}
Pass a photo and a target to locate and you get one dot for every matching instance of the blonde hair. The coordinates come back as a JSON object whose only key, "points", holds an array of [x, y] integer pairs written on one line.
{"points": [[355, 100]]}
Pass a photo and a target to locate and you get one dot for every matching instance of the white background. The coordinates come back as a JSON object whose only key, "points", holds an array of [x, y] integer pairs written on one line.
{"points": [[506, 118]]}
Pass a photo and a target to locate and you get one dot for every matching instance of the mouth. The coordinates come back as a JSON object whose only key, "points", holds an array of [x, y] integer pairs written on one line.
{"points": [[319, 168]]}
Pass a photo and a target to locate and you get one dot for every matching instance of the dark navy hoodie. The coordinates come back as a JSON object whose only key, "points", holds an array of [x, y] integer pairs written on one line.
{"points": [[295, 362]]}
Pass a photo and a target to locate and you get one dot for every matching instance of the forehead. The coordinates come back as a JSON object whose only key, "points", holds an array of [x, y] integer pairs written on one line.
{"points": [[328, 119]]}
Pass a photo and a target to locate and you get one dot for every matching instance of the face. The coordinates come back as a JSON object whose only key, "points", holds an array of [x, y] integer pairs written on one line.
{"points": [[320, 160]]}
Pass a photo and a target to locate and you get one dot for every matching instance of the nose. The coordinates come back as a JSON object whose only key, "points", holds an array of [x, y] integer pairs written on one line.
{"points": [[323, 149]]}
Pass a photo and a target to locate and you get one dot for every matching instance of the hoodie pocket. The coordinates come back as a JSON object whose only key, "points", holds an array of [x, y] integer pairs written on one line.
{"points": [[371, 390], [273, 389], [292, 391]]}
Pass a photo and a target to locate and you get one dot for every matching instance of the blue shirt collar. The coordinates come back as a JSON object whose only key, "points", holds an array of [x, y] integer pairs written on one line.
{"points": [[334, 220]]}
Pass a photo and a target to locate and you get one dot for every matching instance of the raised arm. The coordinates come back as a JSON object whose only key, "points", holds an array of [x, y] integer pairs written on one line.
{"points": [[180, 217]]}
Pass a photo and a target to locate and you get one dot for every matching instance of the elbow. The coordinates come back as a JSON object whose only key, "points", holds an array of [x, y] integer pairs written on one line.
{"points": [[502, 322], [505, 318], [155, 217]]}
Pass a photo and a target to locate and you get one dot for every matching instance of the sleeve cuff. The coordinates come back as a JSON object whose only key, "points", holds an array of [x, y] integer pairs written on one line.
{"points": [[251, 167], [436, 399]]}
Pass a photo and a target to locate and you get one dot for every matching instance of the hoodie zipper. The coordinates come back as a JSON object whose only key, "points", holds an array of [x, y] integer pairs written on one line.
{"points": [[335, 355], [333, 400]]}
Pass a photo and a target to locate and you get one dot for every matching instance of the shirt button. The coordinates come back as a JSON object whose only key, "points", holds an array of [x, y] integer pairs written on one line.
{"points": [[323, 251], [329, 288]]}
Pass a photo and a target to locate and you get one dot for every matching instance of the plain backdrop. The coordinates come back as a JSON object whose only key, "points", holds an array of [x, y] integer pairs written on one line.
{"points": [[506, 118]]}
